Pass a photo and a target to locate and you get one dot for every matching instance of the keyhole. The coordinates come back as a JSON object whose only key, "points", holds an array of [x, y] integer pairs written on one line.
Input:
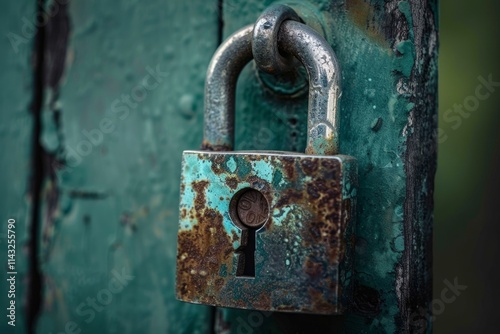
{"points": [[246, 261], [249, 211]]}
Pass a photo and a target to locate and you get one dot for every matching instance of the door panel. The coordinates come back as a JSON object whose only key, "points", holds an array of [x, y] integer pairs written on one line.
{"points": [[16, 138], [123, 99]]}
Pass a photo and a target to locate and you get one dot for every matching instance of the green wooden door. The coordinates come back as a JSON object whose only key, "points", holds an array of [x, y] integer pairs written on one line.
{"points": [[106, 97]]}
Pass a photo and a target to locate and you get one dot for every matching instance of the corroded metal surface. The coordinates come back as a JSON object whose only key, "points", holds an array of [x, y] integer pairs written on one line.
{"points": [[302, 252]]}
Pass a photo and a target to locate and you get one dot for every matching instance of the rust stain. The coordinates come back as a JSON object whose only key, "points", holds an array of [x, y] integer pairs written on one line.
{"points": [[322, 237], [313, 225], [364, 15], [205, 249], [183, 213], [318, 302], [289, 168], [313, 269], [264, 299], [217, 165], [206, 146], [289, 196], [309, 166], [235, 236], [232, 182], [199, 200], [325, 198]]}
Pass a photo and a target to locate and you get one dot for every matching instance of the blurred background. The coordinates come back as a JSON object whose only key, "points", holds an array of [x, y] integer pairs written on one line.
{"points": [[467, 199]]}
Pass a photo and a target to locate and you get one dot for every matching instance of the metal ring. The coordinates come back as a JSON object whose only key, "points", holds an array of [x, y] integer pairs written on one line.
{"points": [[265, 39], [323, 70]]}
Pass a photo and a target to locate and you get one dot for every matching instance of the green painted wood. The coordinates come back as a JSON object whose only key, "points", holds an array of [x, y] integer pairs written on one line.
{"points": [[388, 54], [110, 181], [16, 125], [124, 90]]}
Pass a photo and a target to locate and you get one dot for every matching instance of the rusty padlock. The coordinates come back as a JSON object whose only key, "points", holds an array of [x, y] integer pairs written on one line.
{"points": [[268, 230]]}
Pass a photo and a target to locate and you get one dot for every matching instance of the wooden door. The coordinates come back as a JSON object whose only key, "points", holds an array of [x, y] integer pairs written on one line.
{"points": [[99, 100]]}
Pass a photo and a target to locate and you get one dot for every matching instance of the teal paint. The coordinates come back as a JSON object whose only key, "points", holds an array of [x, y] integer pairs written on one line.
{"points": [[277, 179], [243, 168], [115, 203], [406, 62], [231, 165], [16, 126]]}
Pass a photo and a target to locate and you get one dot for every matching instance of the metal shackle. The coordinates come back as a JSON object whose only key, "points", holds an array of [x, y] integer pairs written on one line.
{"points": [[296, 39]]}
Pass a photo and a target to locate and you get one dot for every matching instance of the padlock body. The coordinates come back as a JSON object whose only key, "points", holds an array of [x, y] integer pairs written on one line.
{"points": [[304, 251]]}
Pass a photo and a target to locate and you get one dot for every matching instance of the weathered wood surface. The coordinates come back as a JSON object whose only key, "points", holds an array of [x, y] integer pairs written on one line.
{"points": [[16, 128], [124, 90]]}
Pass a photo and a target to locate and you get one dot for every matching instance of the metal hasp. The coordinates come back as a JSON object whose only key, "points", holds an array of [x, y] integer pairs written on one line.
{"points": [[268, 230]]}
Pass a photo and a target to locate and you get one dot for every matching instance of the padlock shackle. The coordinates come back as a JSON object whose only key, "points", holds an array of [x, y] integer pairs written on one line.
{"points": [[220, 88], [311, 50], [317, 56]]}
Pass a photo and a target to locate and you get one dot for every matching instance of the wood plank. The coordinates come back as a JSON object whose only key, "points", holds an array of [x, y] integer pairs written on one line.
{"points": [[16, 128], [388, 54], [124, 90]]}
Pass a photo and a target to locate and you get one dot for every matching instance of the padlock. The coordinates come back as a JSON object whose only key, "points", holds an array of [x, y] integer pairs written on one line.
{"points": [[268, 230]]}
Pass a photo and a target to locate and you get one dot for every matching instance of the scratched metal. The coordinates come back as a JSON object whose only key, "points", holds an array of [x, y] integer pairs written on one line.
{"points": [[303, 252], [265, 48], [320, 62]]}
